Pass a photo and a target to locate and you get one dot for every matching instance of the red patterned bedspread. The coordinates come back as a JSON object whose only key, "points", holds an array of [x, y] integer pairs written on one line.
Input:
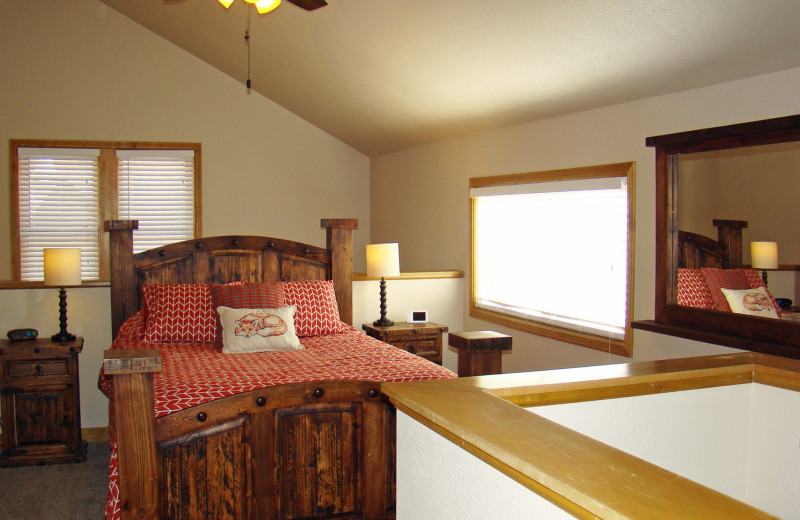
{"points": [[197, 373]]}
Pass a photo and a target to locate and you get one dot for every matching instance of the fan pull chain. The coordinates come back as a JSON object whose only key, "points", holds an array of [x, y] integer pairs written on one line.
{"points": [[247, 43]]}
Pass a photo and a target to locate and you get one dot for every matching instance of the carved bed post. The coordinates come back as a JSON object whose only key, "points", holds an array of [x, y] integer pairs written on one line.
{"points": [[339, 239], [139, 467], [730, 237], [124, 299]]}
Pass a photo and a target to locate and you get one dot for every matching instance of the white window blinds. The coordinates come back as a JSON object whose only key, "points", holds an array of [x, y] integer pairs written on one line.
{"points": [[58, 207], [156, 187], [554, 252]]}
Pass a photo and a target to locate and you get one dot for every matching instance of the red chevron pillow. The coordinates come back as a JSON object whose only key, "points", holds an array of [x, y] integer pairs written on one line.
{"points": [[266, 295], [692, 289], [178, 313], [717, 279], [317, 310]]}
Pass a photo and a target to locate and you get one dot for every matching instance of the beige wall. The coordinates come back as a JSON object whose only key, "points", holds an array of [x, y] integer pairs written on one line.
{"points": [[420, 196], [758, 184], [78, 70]]}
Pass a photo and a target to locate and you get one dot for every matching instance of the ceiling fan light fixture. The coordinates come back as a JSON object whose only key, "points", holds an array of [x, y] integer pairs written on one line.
{"points": [[262, 6], [265, 6]]}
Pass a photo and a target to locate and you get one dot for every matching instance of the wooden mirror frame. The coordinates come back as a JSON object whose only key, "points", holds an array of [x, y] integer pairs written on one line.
{"points": [[778, 337]]}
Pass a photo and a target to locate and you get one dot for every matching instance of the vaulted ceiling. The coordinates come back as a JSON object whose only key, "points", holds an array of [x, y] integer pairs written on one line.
{"points": [[386, 75]]}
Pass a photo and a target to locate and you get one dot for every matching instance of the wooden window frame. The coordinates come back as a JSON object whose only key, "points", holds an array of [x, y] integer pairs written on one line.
{"points": [[107, 187], [622, 347]]}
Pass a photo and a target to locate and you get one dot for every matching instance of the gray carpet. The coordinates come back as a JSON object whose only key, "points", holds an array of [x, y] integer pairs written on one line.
{"points": [[57, 492]]}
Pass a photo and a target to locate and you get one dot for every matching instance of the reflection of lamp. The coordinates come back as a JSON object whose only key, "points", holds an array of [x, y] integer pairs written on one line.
{"points": [[764, 256], [383, 260], [62, 267]]}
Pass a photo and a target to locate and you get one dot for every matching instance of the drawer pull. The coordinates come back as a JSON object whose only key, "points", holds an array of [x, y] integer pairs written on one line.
{"points": [[373, 392], [38, 371], [202, 416], [412, 348], [414, 330], [319, 392], [261, 401]]}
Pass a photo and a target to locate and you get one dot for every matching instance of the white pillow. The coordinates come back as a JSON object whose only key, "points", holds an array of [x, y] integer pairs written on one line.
{"points": [[755, 302], [258, 330]]}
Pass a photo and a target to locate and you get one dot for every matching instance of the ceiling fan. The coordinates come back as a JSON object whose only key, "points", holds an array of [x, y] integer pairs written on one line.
{"points": [[265, 6]]}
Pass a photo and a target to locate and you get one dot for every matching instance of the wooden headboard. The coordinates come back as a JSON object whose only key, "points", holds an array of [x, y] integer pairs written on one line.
{"points": [[226, 259], [724, 253]]}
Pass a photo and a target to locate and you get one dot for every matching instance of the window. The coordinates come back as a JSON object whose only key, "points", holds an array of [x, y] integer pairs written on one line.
{"points": [[552, 254], [65, 190]]}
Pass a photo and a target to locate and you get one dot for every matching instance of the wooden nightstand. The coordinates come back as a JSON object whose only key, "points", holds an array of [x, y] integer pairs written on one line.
{"points": [[422, 339], [40, 402]]}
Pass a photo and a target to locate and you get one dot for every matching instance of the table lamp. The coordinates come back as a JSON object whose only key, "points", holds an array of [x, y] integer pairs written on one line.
{"points": [[62, 267], [383, 260], [764, 256]]}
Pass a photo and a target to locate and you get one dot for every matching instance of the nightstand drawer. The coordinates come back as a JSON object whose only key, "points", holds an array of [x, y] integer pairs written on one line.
{"points": [[43, 368], [422, 339], [425, 347]]}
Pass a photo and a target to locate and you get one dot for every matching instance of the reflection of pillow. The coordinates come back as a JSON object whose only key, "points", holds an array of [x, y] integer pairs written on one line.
{"points": [[754, 280], [266, 295], [258, 330], [692, 289], [317, 310], [716, 279], [178, 313], [755, 302]]}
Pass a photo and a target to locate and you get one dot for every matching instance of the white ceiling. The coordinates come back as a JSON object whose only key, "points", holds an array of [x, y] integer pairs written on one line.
{"points": [[386, 75]]}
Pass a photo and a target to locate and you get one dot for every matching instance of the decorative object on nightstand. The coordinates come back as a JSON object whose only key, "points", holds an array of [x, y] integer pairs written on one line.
{"points": [[383, 260], [480, 352], [62, 267], [40, 402], [764, 256], [417, 316], [422, 339]]}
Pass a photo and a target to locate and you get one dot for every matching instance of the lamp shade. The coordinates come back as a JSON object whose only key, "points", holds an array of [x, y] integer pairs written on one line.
{"points": [[62, 266], [764, 255], [383, 260]]}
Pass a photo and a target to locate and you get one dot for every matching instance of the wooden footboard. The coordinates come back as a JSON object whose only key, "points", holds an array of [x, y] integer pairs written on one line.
{"points": [[306, 450]]}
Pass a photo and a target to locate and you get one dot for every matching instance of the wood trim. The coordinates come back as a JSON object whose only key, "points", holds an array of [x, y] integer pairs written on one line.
{"points": [[520, 477], [26, 284], [16, 268], [582, 172], [413, 275], [108, 208], [198, 190], [97, 434], [596, 342], [541, 454], [592, 341]]}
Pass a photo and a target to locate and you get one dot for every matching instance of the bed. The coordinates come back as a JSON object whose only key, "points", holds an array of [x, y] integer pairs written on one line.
{"points": [[710, 274], [286, 434]]}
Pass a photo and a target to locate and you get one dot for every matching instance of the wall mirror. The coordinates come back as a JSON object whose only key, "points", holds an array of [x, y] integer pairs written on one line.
{"points": [[747, 173]]}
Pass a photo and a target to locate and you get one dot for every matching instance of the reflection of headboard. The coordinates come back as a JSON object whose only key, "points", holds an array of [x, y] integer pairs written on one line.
{"points": [[724, 253]]}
